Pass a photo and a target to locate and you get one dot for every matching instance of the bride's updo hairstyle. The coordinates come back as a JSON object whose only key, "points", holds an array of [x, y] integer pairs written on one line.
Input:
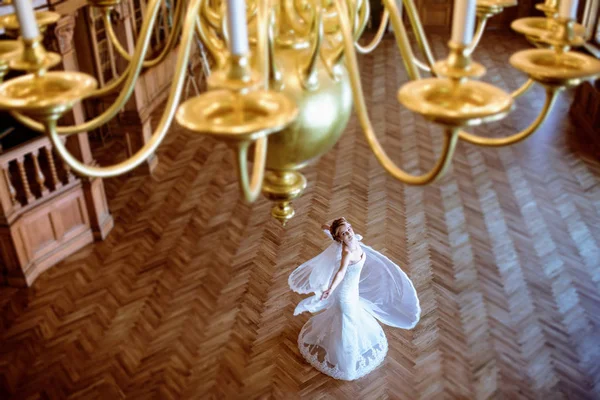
{"points": [[334, 227]]}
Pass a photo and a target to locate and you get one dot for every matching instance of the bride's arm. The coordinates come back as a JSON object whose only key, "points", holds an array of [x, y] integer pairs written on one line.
{"points": [[339, 275]]}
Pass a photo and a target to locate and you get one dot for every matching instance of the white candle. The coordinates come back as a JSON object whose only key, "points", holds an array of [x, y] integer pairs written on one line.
{"points": [[238, 30], [568, 9], [26, 17], [463, 21]]}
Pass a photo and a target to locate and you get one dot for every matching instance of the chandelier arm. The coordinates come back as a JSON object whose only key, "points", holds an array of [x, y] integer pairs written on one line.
{"points": [[330, 19], [354, 11], [450, 134], [481, 24], [523, 89], [419, 32], [212, 17], [112, 36], [551, 95], [334, 56], [263, 57], [138, 56], [330, 11], [421, 65], [165, 121], [364, 13], [296, 21], [308, 73], [251, 10], [401, 39], [251, 188], [169, 45], [214, 46], [111, 86], [378, 36], [224, 29], [302, 13]]}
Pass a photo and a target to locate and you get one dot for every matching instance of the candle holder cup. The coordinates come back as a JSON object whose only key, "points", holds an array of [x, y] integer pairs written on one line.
{"points": [[564, 34], [454, 99], [31, 57], [45, 97], [11, 26], [539, 30], [488, 8], [558, 66], [240, 118], [236, 111], [34, 57], [233, 116], [236, 75], [549, 9], [560, 70]]}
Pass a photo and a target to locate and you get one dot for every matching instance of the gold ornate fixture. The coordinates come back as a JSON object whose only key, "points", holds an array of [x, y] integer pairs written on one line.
{"points": [[286, 79]]}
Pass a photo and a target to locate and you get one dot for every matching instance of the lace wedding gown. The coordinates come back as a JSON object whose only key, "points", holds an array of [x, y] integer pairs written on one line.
{"points": [[345, 340]]}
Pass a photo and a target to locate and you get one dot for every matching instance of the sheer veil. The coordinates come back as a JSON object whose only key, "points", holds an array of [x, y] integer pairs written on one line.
{"points": [[385, 290]]}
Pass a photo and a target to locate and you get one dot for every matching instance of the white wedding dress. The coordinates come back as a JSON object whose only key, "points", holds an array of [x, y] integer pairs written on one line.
{"points": [[345, 341]]}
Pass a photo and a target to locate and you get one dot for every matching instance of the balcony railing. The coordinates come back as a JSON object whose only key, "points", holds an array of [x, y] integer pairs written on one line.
{"points": [[30, 173]]}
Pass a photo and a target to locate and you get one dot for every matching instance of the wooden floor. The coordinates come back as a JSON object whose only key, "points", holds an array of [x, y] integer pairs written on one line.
{"points": [[188, 296]]}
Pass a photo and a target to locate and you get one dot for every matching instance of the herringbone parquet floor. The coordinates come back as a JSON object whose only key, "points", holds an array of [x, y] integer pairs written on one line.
{"points": [[188, 297]]}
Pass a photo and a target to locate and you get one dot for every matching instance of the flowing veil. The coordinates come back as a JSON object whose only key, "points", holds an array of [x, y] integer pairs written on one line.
{"points": [[315, 276], [385, 290]]}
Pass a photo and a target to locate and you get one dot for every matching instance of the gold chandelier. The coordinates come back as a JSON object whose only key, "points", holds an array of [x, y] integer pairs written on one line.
{"points": [[286, 79]]}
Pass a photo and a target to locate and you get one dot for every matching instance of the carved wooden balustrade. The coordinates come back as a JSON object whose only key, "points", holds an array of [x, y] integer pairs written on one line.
{"points": [[43, 213]]}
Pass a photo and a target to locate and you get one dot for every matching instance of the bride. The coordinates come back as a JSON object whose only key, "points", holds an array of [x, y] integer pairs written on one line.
{"points": [[352, 284]]}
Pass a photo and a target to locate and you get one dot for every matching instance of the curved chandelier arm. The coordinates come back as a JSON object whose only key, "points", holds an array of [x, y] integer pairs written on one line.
{"points": [[334, 56], [214, 46], [296, 21], [252, 187], [378, 36], [303, 10], [450, 136], [399, 33], [263, 59], [481, 23], [417, 26], [551, 94], [273, 73], [523, 89], [112, 36], [421, 65], [162, 128], [363, 12], [100, 92], [138, 56], [111, 86], [308, 72], [213, 17], [171, 40]]}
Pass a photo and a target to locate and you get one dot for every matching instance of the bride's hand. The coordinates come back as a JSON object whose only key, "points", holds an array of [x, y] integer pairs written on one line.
{"points": [[325, 294], [325, 227]]}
